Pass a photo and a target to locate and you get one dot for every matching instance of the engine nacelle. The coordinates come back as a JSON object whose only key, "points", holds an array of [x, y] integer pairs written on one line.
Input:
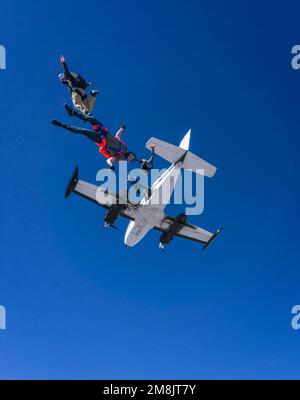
{"points": [[177, 224], [113, 214]]}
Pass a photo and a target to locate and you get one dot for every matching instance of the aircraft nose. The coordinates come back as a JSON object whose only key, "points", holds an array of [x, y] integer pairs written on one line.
{"points": [[129, 240]]}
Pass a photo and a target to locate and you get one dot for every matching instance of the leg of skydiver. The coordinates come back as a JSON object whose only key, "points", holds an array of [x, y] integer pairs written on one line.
{"points": [[82, 101], [135, 181], [110, 159], [78, 97], [110, 162], [89, 102], [105, 152], [92, 135], [84, 117]]}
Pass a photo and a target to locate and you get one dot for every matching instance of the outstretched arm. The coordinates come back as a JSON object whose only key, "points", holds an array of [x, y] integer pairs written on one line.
{"points": [[65, 67], [85, 118], [151, 159], [147, 165], [120, 131]]}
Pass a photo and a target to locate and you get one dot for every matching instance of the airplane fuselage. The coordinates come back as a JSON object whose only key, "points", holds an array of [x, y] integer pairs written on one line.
{"points": [[151, 211]]}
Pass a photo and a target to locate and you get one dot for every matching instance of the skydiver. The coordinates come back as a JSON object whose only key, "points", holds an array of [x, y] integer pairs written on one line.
{"points": [[111, 147], [147, 165], [77, 86]]}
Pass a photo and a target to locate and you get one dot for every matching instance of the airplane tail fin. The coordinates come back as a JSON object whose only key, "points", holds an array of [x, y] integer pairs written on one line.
{"points": [[173, 154], [185, 143]]}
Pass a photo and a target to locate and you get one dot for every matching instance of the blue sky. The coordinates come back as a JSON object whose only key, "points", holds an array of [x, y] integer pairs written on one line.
{"points": [[81, 305]]}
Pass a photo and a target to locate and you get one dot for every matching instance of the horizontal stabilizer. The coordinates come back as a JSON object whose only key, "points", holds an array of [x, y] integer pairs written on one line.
{"points": [[165, 150], [173, 154], [196, 163]]}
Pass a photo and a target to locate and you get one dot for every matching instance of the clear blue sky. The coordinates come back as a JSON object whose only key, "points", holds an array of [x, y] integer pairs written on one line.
{"points": [[81, 305]]}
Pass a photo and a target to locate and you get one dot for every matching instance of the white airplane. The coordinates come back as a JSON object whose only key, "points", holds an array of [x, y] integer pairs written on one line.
{"points": [[149, 212]]}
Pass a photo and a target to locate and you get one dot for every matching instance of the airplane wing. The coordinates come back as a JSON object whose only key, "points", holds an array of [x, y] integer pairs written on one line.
{"points": [[196, 234], [110, 201], [98, 195], [189, 231]]}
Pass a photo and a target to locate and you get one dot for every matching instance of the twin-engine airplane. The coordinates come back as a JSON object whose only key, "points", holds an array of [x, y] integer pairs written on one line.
{"points": [[149, 212]]}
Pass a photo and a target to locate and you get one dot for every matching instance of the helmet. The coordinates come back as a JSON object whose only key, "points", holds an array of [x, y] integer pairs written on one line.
{"points": [[130, 156]]}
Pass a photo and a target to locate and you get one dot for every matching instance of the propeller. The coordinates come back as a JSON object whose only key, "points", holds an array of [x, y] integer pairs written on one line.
{"points": [[108, 225]]}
